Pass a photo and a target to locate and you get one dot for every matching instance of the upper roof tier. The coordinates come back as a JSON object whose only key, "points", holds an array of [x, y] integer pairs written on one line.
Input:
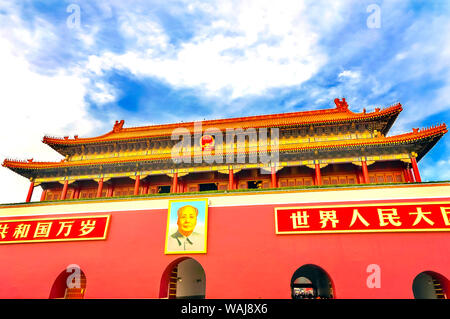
{"points": [[339, 114]]}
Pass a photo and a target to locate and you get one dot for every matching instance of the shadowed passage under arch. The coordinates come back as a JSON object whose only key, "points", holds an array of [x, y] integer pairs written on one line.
{"points": [[183, 278], [430, 285], [70, 284], [311, 282]]}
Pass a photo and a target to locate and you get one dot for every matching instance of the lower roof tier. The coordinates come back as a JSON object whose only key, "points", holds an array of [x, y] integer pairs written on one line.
{"points": [[418, 143]]}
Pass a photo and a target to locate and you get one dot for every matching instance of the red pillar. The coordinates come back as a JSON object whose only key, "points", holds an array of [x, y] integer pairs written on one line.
{"points": [[146, 187], [230, 179], [136, 185], [273, 177], [406, 175], [100, 188], [415, 169], [365, 172], [318, 175], [64, 191], [110, 191], [30, 192], [77, 193], [359, 176], [410, 174], [43, 195], [175, 182]]}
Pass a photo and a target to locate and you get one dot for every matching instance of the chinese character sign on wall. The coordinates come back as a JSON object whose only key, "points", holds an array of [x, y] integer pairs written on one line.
{"points": [[187, 226], [53, 229], [363, 218]]}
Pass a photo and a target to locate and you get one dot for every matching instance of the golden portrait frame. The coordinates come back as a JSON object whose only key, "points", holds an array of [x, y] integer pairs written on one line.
{"points": [[194, 241]]}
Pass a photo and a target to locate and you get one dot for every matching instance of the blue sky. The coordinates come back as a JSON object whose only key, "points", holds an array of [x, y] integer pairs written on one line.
{"points": [[153, 62]]}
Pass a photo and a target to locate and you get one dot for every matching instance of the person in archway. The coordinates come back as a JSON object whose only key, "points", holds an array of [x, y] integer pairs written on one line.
{"points": [[185, 238]]}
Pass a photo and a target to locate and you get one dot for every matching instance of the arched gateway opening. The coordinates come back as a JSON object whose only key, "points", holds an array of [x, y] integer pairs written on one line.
{"points": [[184, 278], [70, 284], [430, 285], [311, 282]]}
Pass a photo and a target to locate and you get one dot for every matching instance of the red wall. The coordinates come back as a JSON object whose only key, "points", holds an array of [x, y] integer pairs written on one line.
{"points": [[245, 258]]}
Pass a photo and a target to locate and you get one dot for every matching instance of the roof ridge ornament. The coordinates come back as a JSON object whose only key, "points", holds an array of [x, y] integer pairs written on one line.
{"points": [[118, 126], [341, 105]]}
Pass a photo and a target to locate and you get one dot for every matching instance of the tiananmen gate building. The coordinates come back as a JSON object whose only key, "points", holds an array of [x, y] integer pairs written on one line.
{"points": [[314, 204]]}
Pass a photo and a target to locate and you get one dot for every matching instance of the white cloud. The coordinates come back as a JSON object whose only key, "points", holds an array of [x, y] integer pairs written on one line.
{"points": [[349, 74], [435, 171], [142, 33], [424, 60], [246, 49], [87, 35], [102, 92], [33, 105]]}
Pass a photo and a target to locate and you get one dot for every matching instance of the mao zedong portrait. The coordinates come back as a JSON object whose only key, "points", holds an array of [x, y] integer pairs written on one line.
{"points": [[186, 238]]}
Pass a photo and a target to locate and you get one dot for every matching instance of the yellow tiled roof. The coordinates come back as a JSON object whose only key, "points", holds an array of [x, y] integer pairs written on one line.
{"points": [[336, 115]]}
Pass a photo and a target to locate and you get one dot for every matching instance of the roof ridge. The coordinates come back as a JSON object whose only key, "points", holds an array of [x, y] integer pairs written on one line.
{"points": [[341, 108]]}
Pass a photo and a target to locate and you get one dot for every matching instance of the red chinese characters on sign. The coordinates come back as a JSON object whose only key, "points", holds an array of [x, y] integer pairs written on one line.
{"points": [[363, 218], [53, 229]]}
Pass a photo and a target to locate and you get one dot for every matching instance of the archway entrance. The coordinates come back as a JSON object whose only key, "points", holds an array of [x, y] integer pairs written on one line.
{"points": [[183, 279], [430, 285], [311, 282], [70, 284]]}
